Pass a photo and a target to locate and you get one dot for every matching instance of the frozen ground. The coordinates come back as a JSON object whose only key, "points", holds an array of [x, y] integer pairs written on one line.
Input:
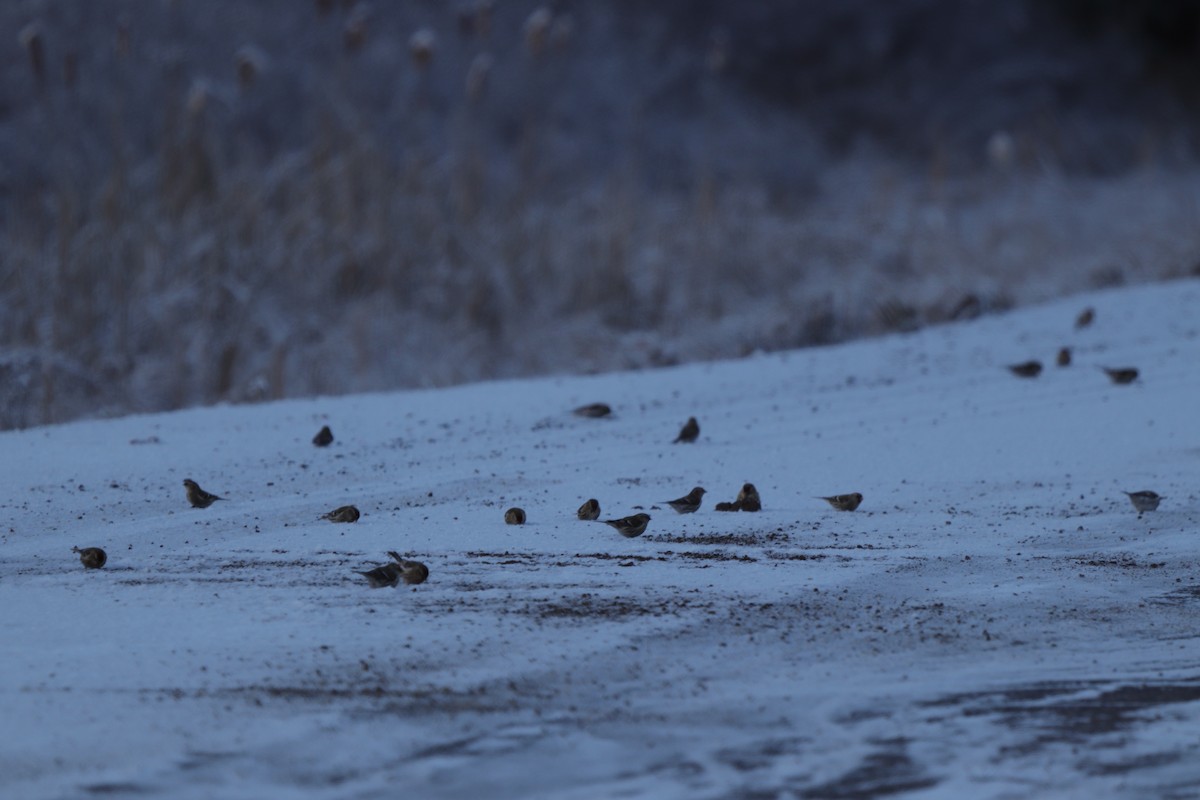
{"points": [[994, 621]]}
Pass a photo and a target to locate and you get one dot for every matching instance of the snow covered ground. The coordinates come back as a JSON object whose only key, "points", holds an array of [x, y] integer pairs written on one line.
{"points": [[994, 621]]}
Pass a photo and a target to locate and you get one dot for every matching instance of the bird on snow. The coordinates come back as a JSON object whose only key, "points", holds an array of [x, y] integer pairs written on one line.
{"points": [[594, 410], [748, 499], [342, 514], [1145, 500], [1085, 318], [411, 572], [324, 437], [1121, 376], [91, 557], [723, 506], [843, 502], [1064, 357], [589, 511], [630, 527], [386, 575], [1029, 369], [515, 516], [689, 432], [688, 503], [197, 496]]}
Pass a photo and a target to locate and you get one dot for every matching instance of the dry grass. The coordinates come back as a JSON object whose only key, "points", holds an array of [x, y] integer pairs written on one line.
{"points": [[194, 218]]}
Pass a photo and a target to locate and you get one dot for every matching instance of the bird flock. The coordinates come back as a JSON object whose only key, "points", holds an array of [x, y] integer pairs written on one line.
{"points": [[412, 573]]}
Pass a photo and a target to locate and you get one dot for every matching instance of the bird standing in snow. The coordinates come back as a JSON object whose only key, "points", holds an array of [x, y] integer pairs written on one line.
{"points": [[91, 557], [748, 499], [688, 503], [515, 516], [843, 502], [1064, 357], [342, 514], [324, 437], [589, 511], [1029, 369], [386, 575], [594, 410], [197, 496], [1122, 376], [630, 527], [1085, 318], [1145, 500], [689, 432], [411, 572]]}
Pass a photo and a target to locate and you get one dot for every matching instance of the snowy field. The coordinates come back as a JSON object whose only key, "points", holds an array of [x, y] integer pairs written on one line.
{"points": [[995, 620]]}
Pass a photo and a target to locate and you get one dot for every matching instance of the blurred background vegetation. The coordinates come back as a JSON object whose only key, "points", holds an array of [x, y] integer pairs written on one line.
{"points": [[225, 200]]}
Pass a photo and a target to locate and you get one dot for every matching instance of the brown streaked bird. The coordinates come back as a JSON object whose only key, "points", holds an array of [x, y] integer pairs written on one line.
{"points": [[1085, 318], [589, 511], [748, 499], [688, 503], [1121, 376], [324, 437], [411, 572], [593, 410], [1029, 369], [630, 527], [386, 575], [342, 514], [1063, 359], [1145, 500], [515, 516], [734, 506], [91, 557], [689, 432], [197, 496], [843, 502]]}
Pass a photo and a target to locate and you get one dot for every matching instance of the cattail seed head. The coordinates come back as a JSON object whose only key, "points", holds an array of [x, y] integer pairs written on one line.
{"points": [[421, 46], [33, 41], [197, 100], [477, 76], [561, 32], [536, 30], [354, 33], [249, 62]]}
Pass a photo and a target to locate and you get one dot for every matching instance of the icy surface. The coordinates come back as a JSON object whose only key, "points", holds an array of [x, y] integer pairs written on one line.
{"points": [[994, 621]]}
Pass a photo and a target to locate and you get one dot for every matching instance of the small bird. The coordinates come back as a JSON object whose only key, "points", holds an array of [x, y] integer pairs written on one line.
{"points": [[91, 557], [515, 516], [688, 503], [1064, 357], [630, 527], [1085, 318], [342, 514], [689, 432], [1145, 500], [589, 511], [1121, 376], [594, 410], [843, 502], [748, 499], [387, 575], [1030, 369], [734, 506], [197, 496], [324, 437], [411, 572]]}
